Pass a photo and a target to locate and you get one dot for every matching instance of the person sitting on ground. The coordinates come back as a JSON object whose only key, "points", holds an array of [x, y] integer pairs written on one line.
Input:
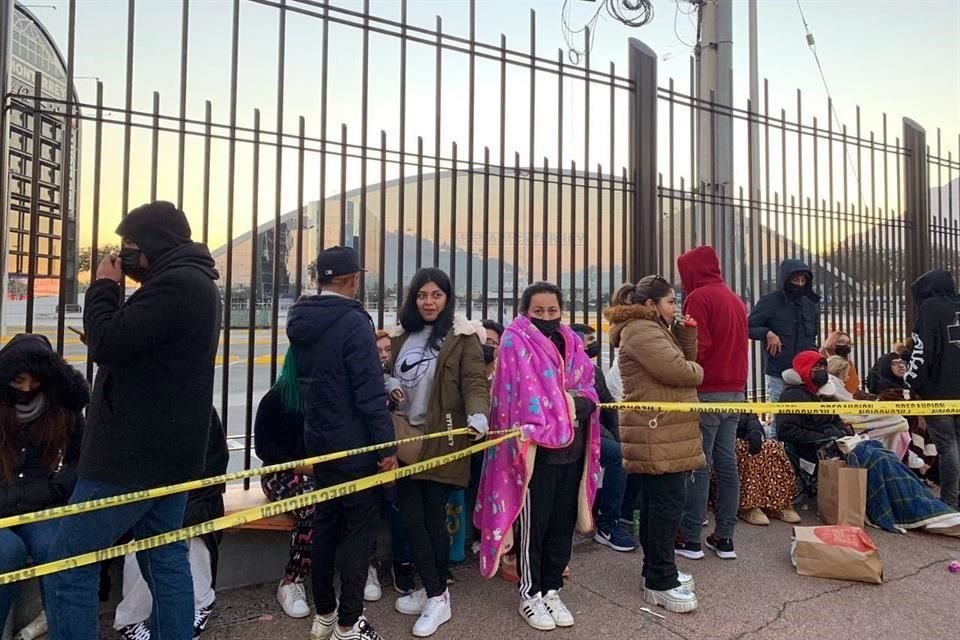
{"points": [[886, 378], [809, 381], [838, 344], [132, 616], [610, 532], [41, 427], [891, 431], [768, 482]]}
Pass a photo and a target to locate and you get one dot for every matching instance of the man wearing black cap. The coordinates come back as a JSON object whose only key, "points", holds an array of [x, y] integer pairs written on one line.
{"points": [[345, 407], [149, 418]]}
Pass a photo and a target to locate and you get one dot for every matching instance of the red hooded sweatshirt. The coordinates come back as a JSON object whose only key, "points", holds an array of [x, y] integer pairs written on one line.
{"points": [[721, 321], [803, 364]]}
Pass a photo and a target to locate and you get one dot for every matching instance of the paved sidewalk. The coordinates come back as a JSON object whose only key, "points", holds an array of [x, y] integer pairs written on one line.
{"points": [[758, 596]]}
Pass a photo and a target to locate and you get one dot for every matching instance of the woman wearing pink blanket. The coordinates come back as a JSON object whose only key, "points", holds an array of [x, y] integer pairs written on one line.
{"points": [[546, 480]]}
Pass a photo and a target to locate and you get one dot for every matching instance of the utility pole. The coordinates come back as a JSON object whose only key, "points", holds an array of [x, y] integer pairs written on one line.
{"points": [[715, 128], [6, 37], [753, 185]]}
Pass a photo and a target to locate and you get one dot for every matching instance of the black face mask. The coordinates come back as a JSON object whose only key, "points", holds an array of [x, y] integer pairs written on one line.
{"points": [[489, 353], [546, 327], [819, 378], [593, 350], [130, 264], [794, 291], [24, 397], [842, 350]]}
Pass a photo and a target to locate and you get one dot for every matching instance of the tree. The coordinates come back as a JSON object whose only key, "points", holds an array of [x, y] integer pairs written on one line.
{"points": [[84, 255]]}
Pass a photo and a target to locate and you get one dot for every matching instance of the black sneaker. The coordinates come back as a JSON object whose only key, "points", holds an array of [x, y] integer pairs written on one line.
{"points": [[723, 547], [404, 577], [690, 550], [139, 631], [362, 630], [200, 618]]}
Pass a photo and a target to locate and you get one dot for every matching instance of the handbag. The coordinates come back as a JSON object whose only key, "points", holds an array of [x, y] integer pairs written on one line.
{"points": [[407, 452]]}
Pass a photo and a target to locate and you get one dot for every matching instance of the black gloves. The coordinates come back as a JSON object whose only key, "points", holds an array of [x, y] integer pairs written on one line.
{"points": [[755, 441], [584, 407]]}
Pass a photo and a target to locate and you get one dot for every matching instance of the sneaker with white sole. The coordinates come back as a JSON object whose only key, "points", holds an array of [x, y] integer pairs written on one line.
{"points": [[677, 600], [372, 591], [323, 626], [200, 618], [687, 549], [38, 628], [412, 604], [293, 599], [723, 547], [536, 614], [557, 610], [139, 631], [614, 537], [362, 630], [435, 613], [686, 581]]}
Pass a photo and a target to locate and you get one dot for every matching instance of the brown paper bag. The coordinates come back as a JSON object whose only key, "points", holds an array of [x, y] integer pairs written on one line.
{"points": [[838, 552], [841, 493], [408, 453]]}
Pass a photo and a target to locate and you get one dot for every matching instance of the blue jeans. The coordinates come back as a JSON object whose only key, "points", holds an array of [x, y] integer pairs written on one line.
{"points": [[775, 387], [719, 431], [72, 610], [610, 500], [17, 546]]}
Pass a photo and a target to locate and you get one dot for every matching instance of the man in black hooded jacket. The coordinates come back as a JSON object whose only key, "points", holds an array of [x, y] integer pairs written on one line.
{"points": [[787, 322], [934, 365], [149, 418]]}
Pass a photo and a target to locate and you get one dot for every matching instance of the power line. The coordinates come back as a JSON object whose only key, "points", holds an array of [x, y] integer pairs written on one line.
{"points": [[812, 44], [632, 13]]}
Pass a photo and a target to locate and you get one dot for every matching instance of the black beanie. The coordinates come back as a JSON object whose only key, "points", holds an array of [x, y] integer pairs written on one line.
{"points": [[156, 227]]}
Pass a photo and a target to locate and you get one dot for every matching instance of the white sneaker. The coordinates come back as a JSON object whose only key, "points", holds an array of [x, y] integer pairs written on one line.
{"points": [[293, 599], [677, 600], [536, 614], [362, 630], [323, 626], [38, 628], [372, 591], [557, 610], [686, 581], [412, 604], [435, 613]]}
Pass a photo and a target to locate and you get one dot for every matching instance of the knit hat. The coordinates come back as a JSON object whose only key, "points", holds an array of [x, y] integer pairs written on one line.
{"points": [[156, 227]]}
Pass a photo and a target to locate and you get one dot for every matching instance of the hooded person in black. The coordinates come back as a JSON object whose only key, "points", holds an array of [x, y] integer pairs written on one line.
{"points": [[787, 321], [149, 418], [934, 364]]}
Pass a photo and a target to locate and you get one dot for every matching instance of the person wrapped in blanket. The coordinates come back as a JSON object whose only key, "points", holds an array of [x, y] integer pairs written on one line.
{"points": [[768, 481], [890, 431], [809, 381]]}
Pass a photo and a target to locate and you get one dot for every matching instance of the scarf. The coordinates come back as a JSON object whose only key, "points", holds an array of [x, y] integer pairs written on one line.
{"points": [[27, 413]]}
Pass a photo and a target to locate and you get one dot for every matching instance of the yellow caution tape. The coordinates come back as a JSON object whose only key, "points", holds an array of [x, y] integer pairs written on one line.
{"points": [[902, 408], [159, 492], [250, 515]]}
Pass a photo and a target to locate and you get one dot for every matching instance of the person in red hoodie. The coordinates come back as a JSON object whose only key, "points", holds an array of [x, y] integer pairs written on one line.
{"points": [[721, 318]]}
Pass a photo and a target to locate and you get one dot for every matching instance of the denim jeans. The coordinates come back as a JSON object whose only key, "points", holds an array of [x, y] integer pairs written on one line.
{"points": [[17, 546], [610, 500], [945, 433], [775, 387], [72, 610], [719, 431]]}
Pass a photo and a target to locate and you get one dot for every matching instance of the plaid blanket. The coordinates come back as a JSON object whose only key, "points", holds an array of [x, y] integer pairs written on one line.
{"points": [[896, 499]]}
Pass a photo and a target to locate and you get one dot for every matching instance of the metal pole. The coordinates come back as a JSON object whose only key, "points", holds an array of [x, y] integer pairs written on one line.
{"points": [[644, 216], [6, 39], [754, 100], [917, 213]]}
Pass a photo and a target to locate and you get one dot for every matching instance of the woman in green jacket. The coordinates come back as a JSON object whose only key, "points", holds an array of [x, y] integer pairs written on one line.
{"points": [[437, 377]]}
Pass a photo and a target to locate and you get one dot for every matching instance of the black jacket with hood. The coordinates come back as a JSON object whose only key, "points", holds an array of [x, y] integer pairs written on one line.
{"points": [[796, 321], [34, 485], [935, 361], [345, 403], [149, 419]]}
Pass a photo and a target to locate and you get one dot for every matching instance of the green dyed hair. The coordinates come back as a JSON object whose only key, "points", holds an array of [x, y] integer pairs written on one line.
{"points": [[289, 385]]}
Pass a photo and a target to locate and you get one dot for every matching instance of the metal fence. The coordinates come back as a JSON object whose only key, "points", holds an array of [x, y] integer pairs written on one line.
{"points": [[499, 206]]}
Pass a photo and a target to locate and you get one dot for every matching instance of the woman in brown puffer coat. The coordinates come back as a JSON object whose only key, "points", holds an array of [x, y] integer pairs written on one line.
{"points": [[658, 364]]}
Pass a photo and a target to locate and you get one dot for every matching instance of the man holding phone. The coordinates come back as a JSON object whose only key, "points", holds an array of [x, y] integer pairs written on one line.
{"points": [[149, 418]]}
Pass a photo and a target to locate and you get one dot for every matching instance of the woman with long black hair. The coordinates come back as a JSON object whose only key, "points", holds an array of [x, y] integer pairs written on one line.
{"points": [[41, 426], [437, 377]]}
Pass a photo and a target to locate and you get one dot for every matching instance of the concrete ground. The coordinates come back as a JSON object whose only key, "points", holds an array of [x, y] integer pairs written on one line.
{"points": [[758, 596]]}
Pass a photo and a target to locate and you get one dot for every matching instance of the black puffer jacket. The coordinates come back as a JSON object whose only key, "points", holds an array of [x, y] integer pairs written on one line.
{"points": [[35, 485], [806, 431]]}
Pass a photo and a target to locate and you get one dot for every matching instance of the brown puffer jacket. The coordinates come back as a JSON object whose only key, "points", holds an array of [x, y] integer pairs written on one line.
{"points": [[657, 365]]}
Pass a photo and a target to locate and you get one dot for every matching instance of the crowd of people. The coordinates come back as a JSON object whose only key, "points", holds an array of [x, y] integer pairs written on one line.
{"points": [[630, 479]]}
